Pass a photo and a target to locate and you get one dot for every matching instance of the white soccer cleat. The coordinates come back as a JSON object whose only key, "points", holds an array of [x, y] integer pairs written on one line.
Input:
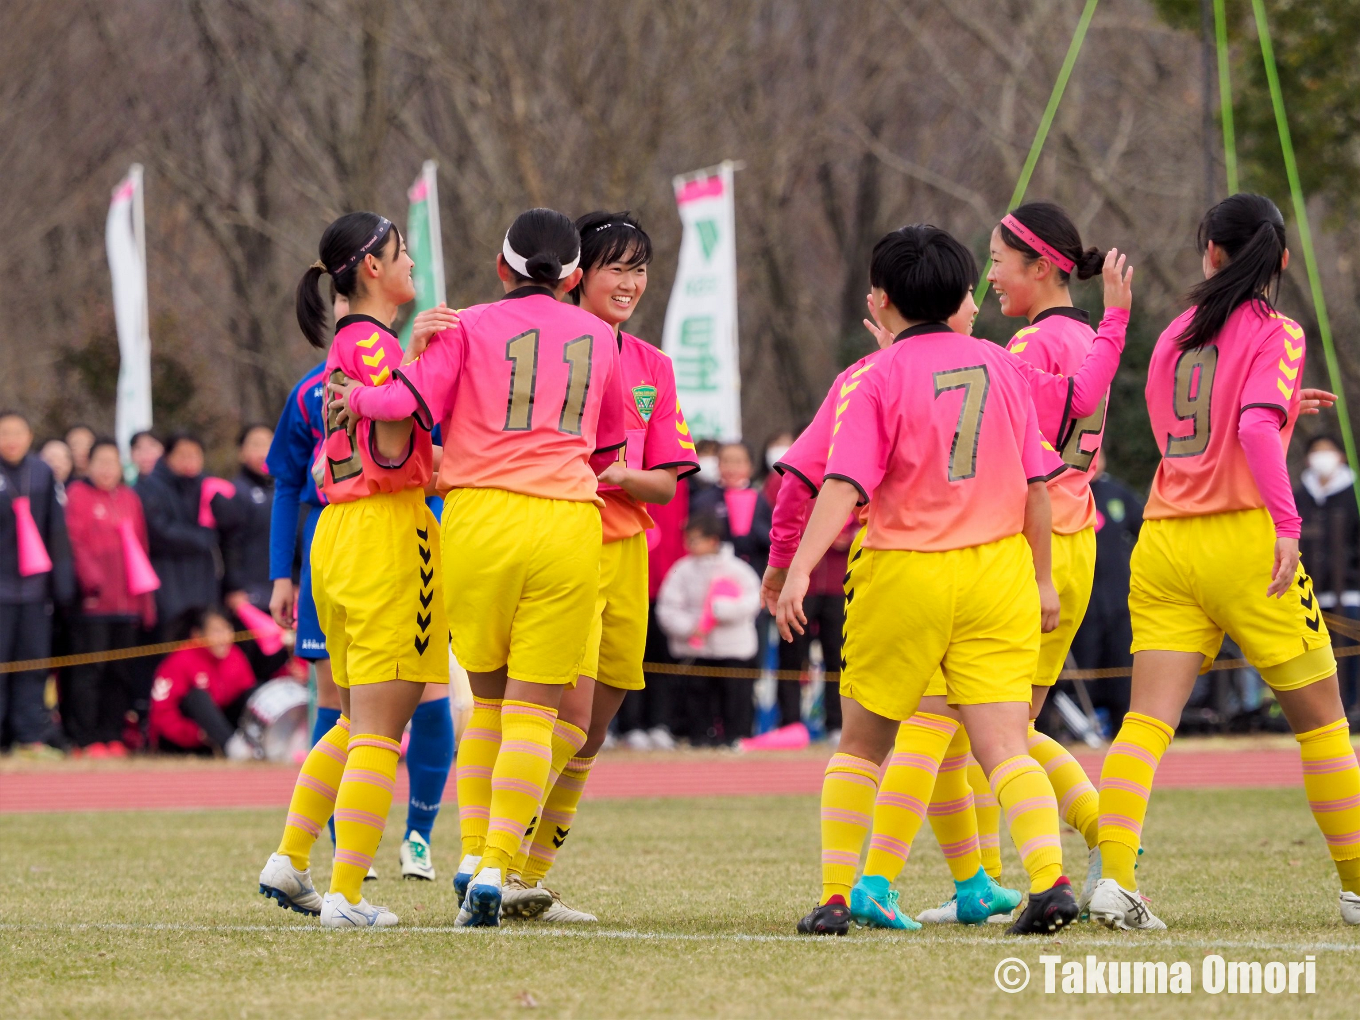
{"points": [[661, 739], [372, 875], [338, 912], [415, 857], [1119, 909], [467, 867], [560, 913], [1092, 877], [945, 913], [481, 906], [291, 888], [519, 899], [1350, 907], [637, 740]]}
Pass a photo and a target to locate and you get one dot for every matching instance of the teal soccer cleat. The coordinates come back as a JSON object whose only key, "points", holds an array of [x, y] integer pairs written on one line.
{"points": [[873, 904]]}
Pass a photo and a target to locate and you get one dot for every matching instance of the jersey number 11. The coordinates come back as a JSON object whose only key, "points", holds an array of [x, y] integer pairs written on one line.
{"points": [[522, 353]]}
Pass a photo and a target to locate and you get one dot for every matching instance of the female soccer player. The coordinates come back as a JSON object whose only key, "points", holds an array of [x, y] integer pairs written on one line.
{"points": [[1219, 551], [527, 390], [615, 253], [939, 436], [297, 441], [374, 574], [923, 745]]}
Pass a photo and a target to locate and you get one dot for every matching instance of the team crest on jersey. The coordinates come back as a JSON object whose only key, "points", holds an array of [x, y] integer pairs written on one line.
{"points": [[645, 399]]}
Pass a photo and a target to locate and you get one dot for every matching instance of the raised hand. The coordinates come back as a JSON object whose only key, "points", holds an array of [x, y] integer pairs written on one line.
{"points": [[1118, 281]]}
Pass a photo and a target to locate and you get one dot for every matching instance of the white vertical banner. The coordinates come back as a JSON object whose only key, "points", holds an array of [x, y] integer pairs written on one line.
{"points": [[125, 240], [701, 320]]}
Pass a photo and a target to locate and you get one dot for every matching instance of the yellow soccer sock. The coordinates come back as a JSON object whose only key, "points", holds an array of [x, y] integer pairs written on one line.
{"points": [[361, 807], [1125, 786], [1078, 802], [1023, 790], [518, 779], [314, 794], [848, 789], [554, 822], [1331, 778], [905, 791], [951, 813], [988, 814], [477, 752], [568, 738]]}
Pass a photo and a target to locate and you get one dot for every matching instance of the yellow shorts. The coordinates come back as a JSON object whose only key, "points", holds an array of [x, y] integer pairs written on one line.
{"points": [[1194, 578], [521, 575], [618, 637], [972, 614], [378, 592]]}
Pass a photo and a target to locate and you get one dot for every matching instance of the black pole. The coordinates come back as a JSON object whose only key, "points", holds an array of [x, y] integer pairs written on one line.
{"points": [[1206, 50]]}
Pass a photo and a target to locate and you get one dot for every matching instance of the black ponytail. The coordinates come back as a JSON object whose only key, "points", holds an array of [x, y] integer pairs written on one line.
{"points": [[1250, 231], [1054, 227], [546, 240], [607, 238], [342, 248]]}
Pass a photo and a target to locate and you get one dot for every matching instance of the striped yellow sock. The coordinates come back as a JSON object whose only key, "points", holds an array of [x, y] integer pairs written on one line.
{"points": [[1078, 802], [518, 778], [848, 789], [554, 823], [477, 752], [1331, 778], [361, 807], [905, 791], [314, 794], [568, 738], [988, 814], [951, 813], [1125, 786], [1023, 790]]}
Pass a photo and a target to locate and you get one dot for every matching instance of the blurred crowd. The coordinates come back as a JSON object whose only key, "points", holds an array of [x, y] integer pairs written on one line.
{"points": [[79, 530]]}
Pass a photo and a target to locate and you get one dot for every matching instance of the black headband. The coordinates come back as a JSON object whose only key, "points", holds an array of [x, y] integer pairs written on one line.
{"points": [[611, 223], [384, 225]]}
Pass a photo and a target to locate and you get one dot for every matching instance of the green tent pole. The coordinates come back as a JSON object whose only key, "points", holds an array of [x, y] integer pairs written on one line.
{"points": [[1045, 122], [1305, 234], [1225, 94]]}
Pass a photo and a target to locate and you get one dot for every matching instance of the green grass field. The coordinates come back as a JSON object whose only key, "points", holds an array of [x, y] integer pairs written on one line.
{"points": [[156, 915]]}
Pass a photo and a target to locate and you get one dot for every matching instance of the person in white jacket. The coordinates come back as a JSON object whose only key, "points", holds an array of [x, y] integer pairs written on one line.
{"points": [[707, 606]]}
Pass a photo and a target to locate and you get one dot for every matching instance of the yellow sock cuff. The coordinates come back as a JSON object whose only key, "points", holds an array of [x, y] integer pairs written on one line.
{"points": [[1011, 769], [959, 745], [567, 737], [1341, 726], [848, 763], [580, 764], [374, 740], [1153, 726]]}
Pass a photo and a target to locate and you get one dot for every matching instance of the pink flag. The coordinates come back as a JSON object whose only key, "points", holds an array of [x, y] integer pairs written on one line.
{"points": [[720, 588], [141, 576], [260, 624], [741, 510], [212, 487], [33, 558]]}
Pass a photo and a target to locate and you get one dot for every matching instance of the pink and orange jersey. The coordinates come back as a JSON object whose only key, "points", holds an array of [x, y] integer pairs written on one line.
{"points": [[1057, 342], [526, 390], [940, 435], [655, 435], [368, 351], [1196, 397]]}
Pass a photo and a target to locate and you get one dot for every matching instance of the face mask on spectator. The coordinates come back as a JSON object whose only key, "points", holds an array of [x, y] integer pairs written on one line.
{"points": [[774, 454], [1324, 463], [708, 469]]}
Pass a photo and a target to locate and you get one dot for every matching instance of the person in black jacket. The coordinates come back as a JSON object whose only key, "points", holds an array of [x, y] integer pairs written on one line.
{"points": [[1329, 545], [26, 600], [1103, 639], [243, 520], [184, 553]]}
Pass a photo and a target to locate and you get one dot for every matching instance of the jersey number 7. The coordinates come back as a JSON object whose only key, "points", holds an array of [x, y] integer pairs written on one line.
{"points": [[975, 382], [522, 353]]}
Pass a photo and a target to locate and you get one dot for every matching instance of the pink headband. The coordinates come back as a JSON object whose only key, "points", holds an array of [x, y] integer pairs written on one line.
{"points": [[1038, 244]]}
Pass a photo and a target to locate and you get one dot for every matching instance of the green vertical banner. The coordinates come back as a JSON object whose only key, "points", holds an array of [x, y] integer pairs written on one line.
{"points": [[424, 244]]}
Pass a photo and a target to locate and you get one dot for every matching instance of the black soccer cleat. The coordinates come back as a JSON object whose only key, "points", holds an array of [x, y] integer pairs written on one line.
{"points": [[831, 918], [1046, 912]]}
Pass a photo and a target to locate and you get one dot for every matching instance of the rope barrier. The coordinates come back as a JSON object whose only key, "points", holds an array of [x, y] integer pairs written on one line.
{"points": [[1041, 135], [1341, 625]]}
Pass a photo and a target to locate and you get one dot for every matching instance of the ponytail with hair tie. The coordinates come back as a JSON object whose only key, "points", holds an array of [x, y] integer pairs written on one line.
{"points": [[1044, 229], [344, 244]]}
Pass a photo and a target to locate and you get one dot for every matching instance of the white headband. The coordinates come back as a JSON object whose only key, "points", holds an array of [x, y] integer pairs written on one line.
{"points": [[518, 263]]}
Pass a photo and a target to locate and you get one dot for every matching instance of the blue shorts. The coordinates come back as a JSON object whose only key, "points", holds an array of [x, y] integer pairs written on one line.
{"points": [[311, 642]]}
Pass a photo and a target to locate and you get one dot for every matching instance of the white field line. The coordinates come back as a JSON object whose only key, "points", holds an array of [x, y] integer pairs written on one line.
{"points": [[1071, 940]]}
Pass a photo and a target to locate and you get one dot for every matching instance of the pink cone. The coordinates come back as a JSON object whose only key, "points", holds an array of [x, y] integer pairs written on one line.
{"points": [[793, 737], [33, 558], [212, 487], [141, 576], [260, 624]]}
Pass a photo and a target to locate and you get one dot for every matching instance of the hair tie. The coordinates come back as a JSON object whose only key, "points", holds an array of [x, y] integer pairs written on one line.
{"points": [[1038, 244], [611, 223], [380, 231], [318, 264], [520, 264]]}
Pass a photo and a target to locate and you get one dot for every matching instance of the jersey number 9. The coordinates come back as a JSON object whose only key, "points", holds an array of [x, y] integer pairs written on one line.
{"points": [[522, 353], [1194, 390]]}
